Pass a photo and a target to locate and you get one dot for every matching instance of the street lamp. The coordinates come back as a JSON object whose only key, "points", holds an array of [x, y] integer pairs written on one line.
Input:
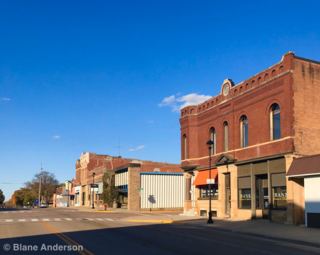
{"points": [[69, 193], [93, 191], [209, 144]]}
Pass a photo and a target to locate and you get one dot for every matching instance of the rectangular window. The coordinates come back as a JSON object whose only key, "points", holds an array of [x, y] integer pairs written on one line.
{"points": [[279, 197], [244, 185], [245, 198], [205, 192]]}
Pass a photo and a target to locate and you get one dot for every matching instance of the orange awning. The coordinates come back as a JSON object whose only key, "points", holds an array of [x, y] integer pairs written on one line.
{"points": [[202, 177]]}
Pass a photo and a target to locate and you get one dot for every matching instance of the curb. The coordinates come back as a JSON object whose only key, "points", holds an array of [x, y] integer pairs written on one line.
{"points": [[160, 221], [161, 211], [279, 239], [102, 211]]}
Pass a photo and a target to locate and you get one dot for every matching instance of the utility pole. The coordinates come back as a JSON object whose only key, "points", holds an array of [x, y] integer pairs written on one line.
{"points": [[40, 186]]}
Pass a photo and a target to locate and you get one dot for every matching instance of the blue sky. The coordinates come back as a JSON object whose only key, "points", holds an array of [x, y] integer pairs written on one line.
{"points": [[80, 75]]}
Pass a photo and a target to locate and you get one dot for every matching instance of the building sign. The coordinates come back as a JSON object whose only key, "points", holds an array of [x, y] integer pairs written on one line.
{"points": [[77, 189], [94, 185], [211, 181], [245, 196]]}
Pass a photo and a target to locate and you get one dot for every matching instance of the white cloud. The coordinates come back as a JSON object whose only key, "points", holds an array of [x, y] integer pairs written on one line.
{"points": [[138, 148], [56, 137], [150, 121], [178, 103], [5, 99]]}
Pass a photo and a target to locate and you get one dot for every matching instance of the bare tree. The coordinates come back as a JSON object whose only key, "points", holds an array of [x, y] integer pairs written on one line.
{"points": [[49, 183]]}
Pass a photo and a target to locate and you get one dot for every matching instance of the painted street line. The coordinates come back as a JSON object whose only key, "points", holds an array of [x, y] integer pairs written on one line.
{"points": [[110, 219], [68, 219], [88, 219], [99, 219], [45, 219], [22, 220], [34, 220], [57, 219], [9, 220]]}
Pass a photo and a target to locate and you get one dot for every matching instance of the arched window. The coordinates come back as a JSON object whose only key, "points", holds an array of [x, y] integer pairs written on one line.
{"points": [[184, 147], [213, 139], [226, 136], [244, 131], [275, 126]]}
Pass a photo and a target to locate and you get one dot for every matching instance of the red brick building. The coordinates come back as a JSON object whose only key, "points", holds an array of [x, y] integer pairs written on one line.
{"points": [[91, 167], [258, 126]]}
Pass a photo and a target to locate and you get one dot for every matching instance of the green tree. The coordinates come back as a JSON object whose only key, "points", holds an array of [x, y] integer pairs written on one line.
{"points": [[28, 199], [109, 193], [2, 197], [22, 195]]}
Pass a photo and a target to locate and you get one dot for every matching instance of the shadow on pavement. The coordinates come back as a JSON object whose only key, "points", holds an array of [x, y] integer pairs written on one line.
{"points": [[150, 239]]}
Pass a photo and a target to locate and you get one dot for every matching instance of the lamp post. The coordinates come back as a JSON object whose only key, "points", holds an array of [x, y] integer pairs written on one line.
{"points": [[93, 191], [209, 144], [69, 184]]}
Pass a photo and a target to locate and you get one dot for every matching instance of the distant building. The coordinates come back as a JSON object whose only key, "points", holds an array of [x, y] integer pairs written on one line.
{"points": [[258, 127], [145, 185]]}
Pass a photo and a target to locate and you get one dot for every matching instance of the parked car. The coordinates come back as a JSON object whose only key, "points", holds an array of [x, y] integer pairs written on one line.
{"points": [[25, 207], [43, 205]]}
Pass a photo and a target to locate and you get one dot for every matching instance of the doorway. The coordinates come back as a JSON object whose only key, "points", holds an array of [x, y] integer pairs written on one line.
{"points": [[83, 197], [262, 194], [228, 195]]}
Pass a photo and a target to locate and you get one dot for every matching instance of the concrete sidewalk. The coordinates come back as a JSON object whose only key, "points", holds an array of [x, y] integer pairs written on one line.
{"points": [[256, 228], [263, 228]]}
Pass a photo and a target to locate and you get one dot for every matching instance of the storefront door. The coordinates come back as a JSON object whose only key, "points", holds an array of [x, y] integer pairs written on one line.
{"points": [[83, 197], [228, 195], [228, 201]]}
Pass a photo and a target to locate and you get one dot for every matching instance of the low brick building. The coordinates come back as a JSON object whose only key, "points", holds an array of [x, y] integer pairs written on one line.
{"points": [[91, 167], [257, 127]]}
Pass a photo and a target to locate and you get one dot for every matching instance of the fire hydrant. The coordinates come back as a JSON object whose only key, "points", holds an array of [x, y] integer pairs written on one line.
{"points": [[105, 207]]}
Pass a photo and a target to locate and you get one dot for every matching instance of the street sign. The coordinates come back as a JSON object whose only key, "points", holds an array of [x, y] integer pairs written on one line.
{"points": [[210, 181], [94, 185], [36, 200], [140, 189]]}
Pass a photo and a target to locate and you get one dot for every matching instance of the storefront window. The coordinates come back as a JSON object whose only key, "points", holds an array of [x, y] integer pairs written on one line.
{"points": [[244, 198], [205, 192], [279, 197]]}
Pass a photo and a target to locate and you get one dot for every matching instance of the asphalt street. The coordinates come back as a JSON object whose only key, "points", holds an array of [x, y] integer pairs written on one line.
{"points": [[46, 230]]}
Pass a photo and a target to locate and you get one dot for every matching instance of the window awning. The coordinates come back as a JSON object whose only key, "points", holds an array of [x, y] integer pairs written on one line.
{"points": [[305, 166], [202, 177]]}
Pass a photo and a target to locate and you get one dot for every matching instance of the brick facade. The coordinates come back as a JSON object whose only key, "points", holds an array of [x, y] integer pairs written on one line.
{"points": [[293, 84], [90, 163]]}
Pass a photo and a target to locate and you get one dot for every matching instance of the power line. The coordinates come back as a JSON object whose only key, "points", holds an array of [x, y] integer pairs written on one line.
{"points": [[10, 183]]}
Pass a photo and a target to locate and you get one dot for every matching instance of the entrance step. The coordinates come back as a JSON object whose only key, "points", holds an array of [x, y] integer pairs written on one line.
{"points": [[191, 212]]}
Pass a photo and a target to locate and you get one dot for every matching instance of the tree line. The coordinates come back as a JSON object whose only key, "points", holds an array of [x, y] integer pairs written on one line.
{"points": [[28, 194]]}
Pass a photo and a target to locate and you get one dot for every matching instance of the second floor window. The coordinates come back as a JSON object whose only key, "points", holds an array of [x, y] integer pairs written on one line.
{"points": [[184, 147], [213, 139], [226, 136], [244, 132], [275, 127]]}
